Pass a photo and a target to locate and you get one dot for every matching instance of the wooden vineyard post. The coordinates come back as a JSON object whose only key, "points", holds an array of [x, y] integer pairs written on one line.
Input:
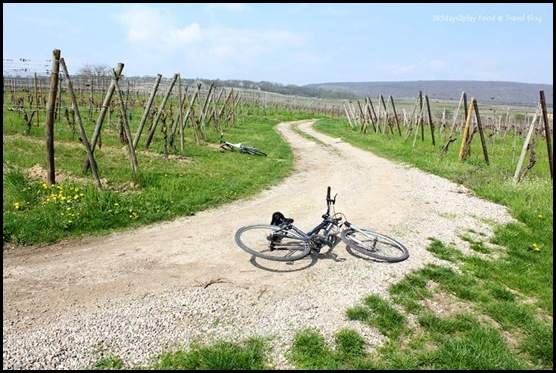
{"points": [[127, 130], [362, 116], [381, 98], [105, 107], [430, 118], [84, 140], [51, 107], [419, 120], [189, 113], [214, 111], [160, 110], [421, 116], [391, 99], [235, 102], [465, 131], [524, 149], [37, 108], [371, 113], [147, 111], [180, 115], [223, 110], [204, 111], [346, 110], [483, 141], [546, 131], [465, 108]]}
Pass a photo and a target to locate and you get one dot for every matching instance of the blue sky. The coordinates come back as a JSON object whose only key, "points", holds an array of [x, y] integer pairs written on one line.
{"points": [[288, 43]]}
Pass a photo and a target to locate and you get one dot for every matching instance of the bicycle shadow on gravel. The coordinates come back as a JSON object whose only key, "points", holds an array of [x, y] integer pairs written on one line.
{"points": [[295, 265], [283, 266]]}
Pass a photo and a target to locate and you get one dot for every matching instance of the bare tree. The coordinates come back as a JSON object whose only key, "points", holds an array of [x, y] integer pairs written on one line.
{"points": [[98, 75]]}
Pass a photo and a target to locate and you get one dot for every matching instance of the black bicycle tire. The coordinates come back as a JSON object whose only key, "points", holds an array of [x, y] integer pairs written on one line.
{"points": [[377, 253], [253, 151], [299, 253]]}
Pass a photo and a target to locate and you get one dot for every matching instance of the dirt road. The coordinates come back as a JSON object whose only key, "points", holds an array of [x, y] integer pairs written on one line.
{"points": [[69, 280]]}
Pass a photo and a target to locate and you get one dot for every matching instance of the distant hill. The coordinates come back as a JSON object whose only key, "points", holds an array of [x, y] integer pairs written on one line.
{"points": [[510, 93]]}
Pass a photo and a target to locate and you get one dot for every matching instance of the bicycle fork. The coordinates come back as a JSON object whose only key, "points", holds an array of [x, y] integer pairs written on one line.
{"points": [[370, 243]]}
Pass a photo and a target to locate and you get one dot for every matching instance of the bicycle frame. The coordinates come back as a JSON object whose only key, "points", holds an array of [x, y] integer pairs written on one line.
{"points": [[237, 146], [225, 145], [327, 223]]}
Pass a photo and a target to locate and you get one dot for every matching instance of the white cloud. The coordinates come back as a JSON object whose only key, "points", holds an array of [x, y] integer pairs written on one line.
{"points": [[157, 39], [153, 32], [187, 35], [143, 23]]}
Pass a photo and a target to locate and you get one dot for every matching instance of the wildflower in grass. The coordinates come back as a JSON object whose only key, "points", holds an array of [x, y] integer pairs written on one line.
{"points": [[68, 224], [16, 205], [535, 247], [133, 214]]}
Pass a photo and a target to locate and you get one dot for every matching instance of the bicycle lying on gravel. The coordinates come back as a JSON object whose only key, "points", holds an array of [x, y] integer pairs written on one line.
{"points": [[224, 145], [282, 241]]}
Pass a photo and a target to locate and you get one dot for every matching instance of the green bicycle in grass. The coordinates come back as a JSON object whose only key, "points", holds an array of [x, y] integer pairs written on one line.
{"points": [[225, 145]]}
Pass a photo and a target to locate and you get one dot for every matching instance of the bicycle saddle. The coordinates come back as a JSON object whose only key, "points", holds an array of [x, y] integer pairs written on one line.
{"points": [[278, 218]]}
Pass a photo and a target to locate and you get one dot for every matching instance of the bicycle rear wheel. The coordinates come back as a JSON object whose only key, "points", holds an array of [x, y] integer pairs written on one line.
{"points": [[375, 245], [253, 151], [272, 242]]}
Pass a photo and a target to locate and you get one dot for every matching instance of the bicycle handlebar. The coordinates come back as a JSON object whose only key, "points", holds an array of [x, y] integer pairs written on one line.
{"points": [[328, 199]]}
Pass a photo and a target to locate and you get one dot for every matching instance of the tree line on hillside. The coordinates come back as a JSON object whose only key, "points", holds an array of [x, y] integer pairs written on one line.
{"points": [[103, 71]]}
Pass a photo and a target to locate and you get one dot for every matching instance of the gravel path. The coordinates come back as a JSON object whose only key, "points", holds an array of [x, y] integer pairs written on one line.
{"points": [[143, 292]]}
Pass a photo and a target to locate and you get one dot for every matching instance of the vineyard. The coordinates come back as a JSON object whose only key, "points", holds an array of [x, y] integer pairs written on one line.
{"points": [[142, 111], [123, 153]]}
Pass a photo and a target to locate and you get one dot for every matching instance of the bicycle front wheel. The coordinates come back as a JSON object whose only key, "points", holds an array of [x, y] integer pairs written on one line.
{"points": [[225, 146], [272, 242], [375, 245]]}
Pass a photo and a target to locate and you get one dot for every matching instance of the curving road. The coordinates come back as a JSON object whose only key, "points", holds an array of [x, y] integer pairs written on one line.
{"points": [[54, 292]]}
